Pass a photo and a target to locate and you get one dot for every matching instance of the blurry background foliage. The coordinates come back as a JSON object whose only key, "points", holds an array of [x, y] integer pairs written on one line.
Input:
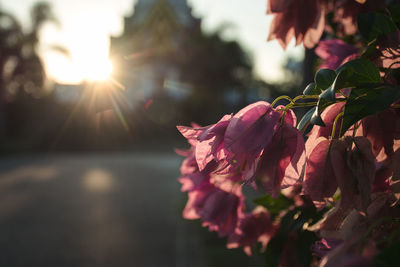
{"points": [[215, 78]]}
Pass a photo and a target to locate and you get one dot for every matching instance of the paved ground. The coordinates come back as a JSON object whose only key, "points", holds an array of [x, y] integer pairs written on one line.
{"points": [[98, 210]]}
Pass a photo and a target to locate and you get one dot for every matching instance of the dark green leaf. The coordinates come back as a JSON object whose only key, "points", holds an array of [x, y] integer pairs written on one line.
{"points": [[274, 206], [390, 256], [323, 103], [324, 78], [373, 25], [356, 72], [328, 94], [367, 101], [370, 51], [303, 247], [395, 12], [306, 119], [311, 89], [316, 119]]}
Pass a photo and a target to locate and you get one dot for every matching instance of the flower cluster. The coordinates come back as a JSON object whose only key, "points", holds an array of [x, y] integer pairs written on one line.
{"points": [[258, 141], [330, 182], [305, 20]]}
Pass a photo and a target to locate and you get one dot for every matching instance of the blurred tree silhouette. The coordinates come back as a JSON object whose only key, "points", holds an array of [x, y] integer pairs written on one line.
{"points": [[216, 68], [20, 64], [21, 69]]}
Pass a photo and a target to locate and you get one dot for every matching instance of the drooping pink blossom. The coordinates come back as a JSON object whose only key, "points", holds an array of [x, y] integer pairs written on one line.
{"points": [[207, 141], [328, 116], [218, 209], [388, 51], [346, 12], [354, 170], [381, 130], [303, 20], [320, 180], [335, 53], [253, 227], [282, 162], [249, 132], [211, 142]]}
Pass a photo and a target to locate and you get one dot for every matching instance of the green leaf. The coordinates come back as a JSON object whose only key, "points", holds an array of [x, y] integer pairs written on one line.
{"points": [[373, 25], [326, 99], [365, 101], [389, 256], [316, 119], [328, 94], [324, 78], [356, 72], [395, 12], [370, 51], [304, 242], [274, 206], [306, 119], [311, 89]]}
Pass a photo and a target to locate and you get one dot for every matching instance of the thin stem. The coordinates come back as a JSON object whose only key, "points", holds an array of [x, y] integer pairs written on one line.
{"points": [[279, 98], [300, 105], [334, 124], [304, 97]]}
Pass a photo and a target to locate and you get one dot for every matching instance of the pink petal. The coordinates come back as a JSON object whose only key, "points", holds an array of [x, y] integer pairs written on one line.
{"points": [[251, 129], [319, 181], [283, 160], [274, 6]]}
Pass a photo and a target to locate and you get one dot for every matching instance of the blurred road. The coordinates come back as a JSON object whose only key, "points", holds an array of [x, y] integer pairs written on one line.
{"points": [[94, 210]]}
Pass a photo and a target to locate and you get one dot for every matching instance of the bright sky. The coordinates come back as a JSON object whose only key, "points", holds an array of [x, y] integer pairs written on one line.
{"points": [[87, 24]]}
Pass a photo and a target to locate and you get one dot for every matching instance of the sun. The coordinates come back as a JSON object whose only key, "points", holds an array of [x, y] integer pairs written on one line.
{"points": [[87, 59], [96, 69]]}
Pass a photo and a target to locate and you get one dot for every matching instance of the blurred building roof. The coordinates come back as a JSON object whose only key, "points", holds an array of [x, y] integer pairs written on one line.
{"points": [[144, 7], [146, 53]]}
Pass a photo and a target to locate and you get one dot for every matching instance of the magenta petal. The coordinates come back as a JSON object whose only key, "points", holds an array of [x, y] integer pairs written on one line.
{"points": [[274, 6], [328, 116], [290, 116], [210, 142], [190, 133], [251, 129], [283, 160], [319, 180], [253, 227], [217, 208], [204, 152]]}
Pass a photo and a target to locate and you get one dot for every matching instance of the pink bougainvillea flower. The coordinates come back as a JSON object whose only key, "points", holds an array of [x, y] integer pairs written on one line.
{"points": [[218, 209], [211, 142], [334, 53], [275, 6], [346, 12], [301, 19], [208, 141], [189, 164], [388, 52], [253, 227], [249, 132], [354, 169], [328, 116], [282, 161], [190, 181], [251, 129], [320, 180], [361, 163], [381, 130]]}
